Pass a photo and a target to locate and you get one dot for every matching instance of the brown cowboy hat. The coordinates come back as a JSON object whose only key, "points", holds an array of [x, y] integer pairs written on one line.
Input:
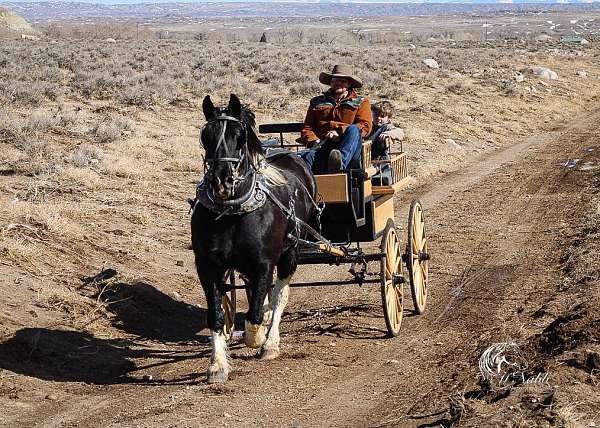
{"points": [[340, 71]]}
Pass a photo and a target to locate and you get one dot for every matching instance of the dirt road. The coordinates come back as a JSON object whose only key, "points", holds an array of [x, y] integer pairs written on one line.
{"points": [[498, 229]]}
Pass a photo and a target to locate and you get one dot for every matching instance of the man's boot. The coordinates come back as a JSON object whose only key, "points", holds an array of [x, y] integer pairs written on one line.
{"points": [[334, 163]]}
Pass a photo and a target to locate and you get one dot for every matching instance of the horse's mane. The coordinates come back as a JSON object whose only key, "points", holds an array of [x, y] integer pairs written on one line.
{"points": [[257, 154]]}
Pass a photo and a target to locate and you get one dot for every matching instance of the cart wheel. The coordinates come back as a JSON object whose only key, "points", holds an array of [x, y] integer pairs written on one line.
{"points": [[228, 303], [391, 279], [417, 256]]}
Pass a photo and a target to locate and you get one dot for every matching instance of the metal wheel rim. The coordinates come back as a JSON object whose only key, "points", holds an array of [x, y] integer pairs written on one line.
{"points": [[228, 303], [391, 292], [417, 245]]}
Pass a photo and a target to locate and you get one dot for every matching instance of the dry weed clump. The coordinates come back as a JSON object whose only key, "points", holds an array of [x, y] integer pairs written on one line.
{"points": [[83, 178], [81, 311], [111, 129], [61, 219], [460, 88], [85, 155]]}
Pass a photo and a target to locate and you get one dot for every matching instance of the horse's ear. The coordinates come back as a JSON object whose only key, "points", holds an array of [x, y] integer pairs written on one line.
{"points": [[235, 107], [208, 108]]}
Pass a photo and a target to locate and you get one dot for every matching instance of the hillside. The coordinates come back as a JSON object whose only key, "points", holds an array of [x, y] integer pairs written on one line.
{"points": [[52, 11], [11, 22]]}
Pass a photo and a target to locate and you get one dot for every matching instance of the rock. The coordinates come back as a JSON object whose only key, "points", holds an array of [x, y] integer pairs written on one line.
{"points": [[544, 73], [519, 77], [452, 143], [431, 63], [147, 377], [452, 74], [392, 362], [51, 397], [179, 262], [110, 40], [412, 47], [581, 73], [226, 415]]}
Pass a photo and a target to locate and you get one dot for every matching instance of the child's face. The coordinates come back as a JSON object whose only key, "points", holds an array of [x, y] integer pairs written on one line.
{"points": [[380, 120]]}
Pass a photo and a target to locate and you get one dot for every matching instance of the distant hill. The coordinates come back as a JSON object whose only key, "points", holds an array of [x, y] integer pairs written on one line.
{"points": [[51, 11], [11, 22]]}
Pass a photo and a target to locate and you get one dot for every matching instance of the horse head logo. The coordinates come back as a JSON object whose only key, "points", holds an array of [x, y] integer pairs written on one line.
{"points": [[501, 359]]}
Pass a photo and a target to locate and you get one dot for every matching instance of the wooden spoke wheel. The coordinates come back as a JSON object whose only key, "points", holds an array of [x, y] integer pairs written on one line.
{"points": [[391, 279], [417, 256], [228, 303]]}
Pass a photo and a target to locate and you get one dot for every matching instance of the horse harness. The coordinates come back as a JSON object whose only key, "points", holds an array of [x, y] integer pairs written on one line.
{"points": [[257, 193]]}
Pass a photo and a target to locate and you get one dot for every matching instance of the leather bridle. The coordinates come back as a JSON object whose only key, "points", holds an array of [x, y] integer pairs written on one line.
{"points": [[234, 160]]}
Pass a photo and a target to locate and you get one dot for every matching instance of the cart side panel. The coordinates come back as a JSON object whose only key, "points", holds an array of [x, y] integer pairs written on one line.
{"points": [[377, 213], [333, 188], [383, 210]]}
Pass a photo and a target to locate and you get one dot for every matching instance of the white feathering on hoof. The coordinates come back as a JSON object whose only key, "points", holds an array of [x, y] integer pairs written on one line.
{"points": [[220, 366], [279, 301]]}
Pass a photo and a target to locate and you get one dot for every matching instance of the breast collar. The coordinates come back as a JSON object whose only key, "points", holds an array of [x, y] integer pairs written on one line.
{"points": [[250, 201]]}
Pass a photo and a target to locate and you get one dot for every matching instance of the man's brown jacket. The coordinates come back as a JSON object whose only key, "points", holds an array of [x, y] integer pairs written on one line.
{"points": [[325, 114]]}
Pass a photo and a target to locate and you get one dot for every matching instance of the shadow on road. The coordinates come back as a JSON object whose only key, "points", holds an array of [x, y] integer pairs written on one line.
{"points": [[145, 311], [76, 356]]}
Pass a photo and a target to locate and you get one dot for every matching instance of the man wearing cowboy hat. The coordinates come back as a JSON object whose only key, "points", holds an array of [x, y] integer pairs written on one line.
{"points": [[336, 123]]}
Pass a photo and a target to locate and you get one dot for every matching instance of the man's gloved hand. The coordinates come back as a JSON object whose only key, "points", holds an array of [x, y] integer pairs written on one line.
{"points": [[333, 136], [312, 144]]}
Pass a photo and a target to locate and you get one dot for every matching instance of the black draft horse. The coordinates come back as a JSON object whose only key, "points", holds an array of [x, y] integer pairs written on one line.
{"points": [[244, 219]]}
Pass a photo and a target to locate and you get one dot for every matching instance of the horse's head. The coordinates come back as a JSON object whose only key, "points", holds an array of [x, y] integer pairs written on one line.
{"points": [[230, 146]]}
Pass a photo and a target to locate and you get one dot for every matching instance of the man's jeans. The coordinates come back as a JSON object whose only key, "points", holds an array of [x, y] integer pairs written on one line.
{"points": [[350, 146]]}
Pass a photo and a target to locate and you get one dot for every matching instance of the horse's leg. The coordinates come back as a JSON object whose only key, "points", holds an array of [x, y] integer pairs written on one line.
{"points": [[219, 367], [256, 318], [285, 270]]}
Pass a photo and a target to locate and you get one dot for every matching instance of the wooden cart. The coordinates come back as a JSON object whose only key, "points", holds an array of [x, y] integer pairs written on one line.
{"points": [[358, 208]]}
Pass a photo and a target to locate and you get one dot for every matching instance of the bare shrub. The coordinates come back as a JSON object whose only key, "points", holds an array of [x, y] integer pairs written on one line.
{"points": [[67, 116], [85, 155], [508, 87], [460, 88], [107, 132], [22, 93], [41, 121], [111, 129], [37, 149], [137, 95]]}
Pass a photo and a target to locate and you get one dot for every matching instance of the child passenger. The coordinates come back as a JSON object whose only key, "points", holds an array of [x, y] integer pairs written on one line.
{"points": [[383, 130]]}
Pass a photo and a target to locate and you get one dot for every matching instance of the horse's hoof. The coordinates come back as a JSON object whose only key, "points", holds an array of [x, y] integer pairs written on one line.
{"points": [[253, 341], [255, 335], [269, 354], [216, 376]]}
